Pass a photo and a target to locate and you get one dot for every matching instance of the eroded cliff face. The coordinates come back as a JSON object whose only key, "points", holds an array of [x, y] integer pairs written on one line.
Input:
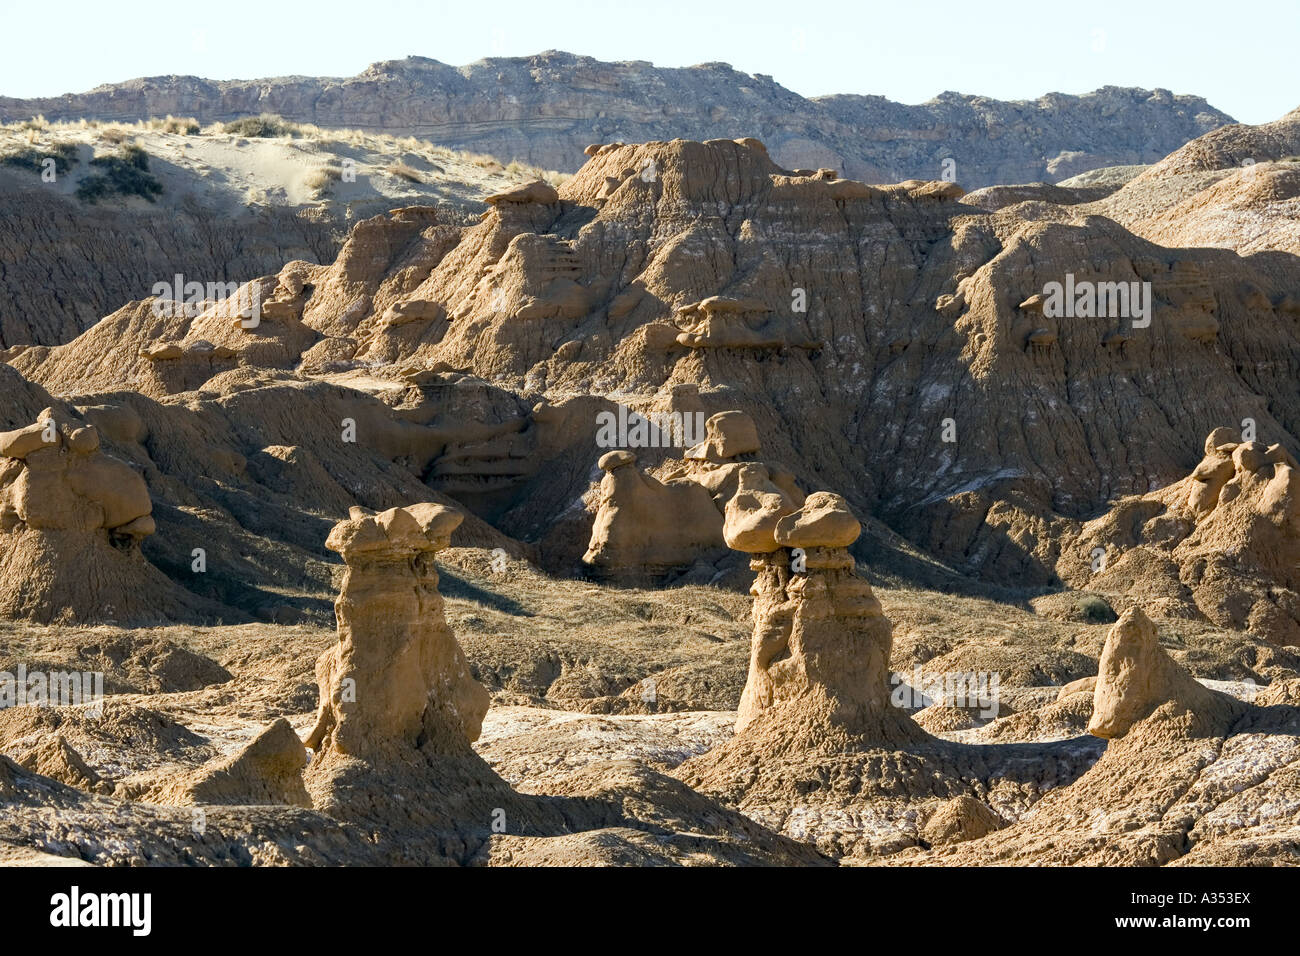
{"points": [[66, 264], [891, 343], [544, 109]]}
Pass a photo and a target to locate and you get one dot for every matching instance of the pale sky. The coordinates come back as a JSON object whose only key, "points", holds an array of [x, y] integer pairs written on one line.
{"points": [[1242, 57]]}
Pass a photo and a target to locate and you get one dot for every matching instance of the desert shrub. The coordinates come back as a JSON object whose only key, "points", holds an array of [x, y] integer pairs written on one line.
{"points": [[63, 154], [323, 178], [36, 122], [403, 171], [1094, 609], [181, 126], [263, 126], [124, 174]]}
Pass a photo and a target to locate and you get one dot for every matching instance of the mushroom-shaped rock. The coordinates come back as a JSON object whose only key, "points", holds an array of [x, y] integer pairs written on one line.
{"points": [[728, 435], [1033, 304], [397, 680], [71, 520], [616, 459], [1250, 456], [824, 521], [725, 305], [819, 656], [754, 512], [1221, 442]]}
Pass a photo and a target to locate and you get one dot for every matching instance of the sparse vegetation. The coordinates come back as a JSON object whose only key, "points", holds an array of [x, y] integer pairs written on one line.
{"points": [[1094, 609], [181, 126], [63, 154], [261, 127], [321, 180], [403, 171], [125, 173]]}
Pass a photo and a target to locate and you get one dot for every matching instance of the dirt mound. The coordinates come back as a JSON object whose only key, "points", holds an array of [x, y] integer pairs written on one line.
{"points": [[960, 819], [268, 770], [54, 757]]}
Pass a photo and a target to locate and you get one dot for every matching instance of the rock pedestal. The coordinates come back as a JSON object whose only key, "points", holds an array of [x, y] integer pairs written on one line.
{"points": [[397, 678]]}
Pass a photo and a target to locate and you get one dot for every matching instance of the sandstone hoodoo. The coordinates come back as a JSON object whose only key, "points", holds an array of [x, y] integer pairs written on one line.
{"points": [[398, 706], [1138, 678], [646, 526], [71, 522], [606, 292], [819, 660], [397, 679], [1223, 543]]}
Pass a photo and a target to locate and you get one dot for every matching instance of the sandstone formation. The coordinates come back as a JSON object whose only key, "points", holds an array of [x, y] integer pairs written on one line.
{"points": [[1137, 677], [230, 209], [268, 770], [1234, 188], [1224, 542], [819, 660], [895, 343], [71, 522], [1162, 791], [399, 711], [646, 527], [539, 306], [397, 677]]}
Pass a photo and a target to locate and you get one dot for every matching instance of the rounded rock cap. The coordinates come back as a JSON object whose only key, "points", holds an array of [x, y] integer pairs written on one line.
{"points": [[824, 521], [616, 459]]}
